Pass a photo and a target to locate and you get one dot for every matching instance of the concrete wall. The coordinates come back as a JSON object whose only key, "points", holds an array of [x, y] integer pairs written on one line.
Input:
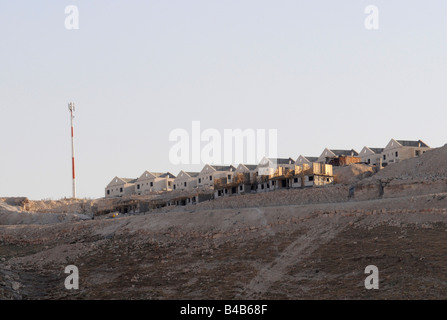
{"points": [[325, 154], [322, 180], [121, 190], [154, 185], [264, 187], [301, 160], [244, 188], [183, 178], [208, 174], [369, 157], [206, 177], [296, 184], [308, 181], [403, 153], [191, 183], [118, 188]]}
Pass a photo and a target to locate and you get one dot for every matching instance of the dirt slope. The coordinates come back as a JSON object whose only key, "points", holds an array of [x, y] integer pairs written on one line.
{"points": [[287, 244], [431, 165], [284, 252]]}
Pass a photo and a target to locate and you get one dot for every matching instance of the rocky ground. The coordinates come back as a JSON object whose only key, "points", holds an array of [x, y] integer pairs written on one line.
{"points": [[278, 249], [285, 252]]}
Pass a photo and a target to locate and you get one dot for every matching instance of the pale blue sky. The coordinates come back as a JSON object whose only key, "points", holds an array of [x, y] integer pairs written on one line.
{"points": [[138, 69]]}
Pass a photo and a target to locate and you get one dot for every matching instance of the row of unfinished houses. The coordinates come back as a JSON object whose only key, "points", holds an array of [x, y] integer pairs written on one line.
{"points": [[270, 174]]}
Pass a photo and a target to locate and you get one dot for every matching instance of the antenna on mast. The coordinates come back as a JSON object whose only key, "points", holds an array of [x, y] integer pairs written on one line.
{"points": [[71, 108]]}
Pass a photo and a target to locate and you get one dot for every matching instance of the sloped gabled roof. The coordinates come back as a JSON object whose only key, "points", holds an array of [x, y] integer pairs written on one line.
{"points": [[250, 167], [376, 150], [351, 152], [311, 159], [117, 181], [166, 175], [223, 168], [282, 160], [192, 174], [412, 143]]}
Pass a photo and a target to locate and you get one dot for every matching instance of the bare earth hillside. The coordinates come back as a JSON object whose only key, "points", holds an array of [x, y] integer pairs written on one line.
{"points": [[286, 244]]}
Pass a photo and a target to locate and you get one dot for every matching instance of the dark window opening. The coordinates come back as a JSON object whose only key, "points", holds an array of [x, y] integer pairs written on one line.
{"points": [[121, 189], [295, 180], [311, 178], [152, 184]]}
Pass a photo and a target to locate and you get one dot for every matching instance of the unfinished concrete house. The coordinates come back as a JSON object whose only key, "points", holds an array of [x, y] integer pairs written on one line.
{"points": [[281, 178], [303, 159], [310, 175], [398, 150], [371, 155], [267, 168], [205, 179], [150, 182], [119, 187], [339, 157], [185, 180], [241, 181], [245, 176]]}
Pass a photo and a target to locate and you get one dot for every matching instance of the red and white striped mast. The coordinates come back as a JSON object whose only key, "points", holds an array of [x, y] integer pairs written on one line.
{"points": [[71, 108]]}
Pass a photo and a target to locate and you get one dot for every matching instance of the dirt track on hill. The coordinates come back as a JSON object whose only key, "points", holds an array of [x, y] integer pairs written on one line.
{"points": [[286, 244], [314, 251]]}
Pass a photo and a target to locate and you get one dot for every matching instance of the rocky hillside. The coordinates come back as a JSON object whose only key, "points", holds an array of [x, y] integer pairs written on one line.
{"points": [[287, 244]]}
